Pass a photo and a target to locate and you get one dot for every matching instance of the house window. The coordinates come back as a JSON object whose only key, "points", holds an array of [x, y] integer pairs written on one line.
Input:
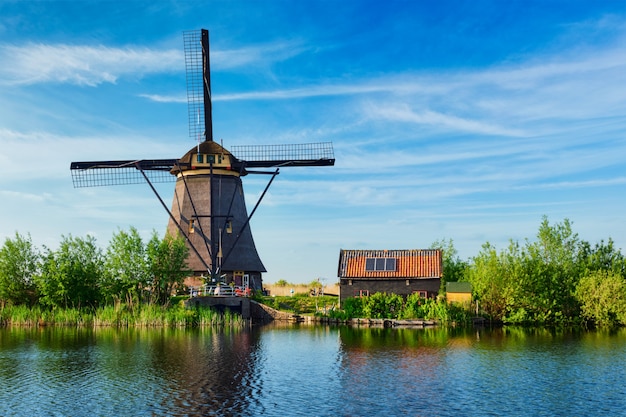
{"points": [[422, 294], [364, 293], [380, 264]]}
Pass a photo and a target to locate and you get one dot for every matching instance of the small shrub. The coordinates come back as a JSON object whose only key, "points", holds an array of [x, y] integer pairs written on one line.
{"points": [[381, 305]]}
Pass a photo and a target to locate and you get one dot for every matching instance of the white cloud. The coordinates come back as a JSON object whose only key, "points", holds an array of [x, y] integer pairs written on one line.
{"points": [[398, 112], [159, 98], [252, 56], [82, 65], [23, 197], [88, 65], [53, 153]]}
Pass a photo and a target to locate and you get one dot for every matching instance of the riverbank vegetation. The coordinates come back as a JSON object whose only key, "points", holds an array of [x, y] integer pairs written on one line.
{"points": [[393, 306], [80, 274], [555, 279], [121, 315], [130, 283], [300, 303]]}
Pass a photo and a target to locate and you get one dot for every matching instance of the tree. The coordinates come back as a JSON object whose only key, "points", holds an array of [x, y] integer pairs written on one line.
{"points": [[602, 296], [603, 257], [168, 265], [554, 271], [71, 275], [126, 267], [19, 263], [491, 283], [453, 267]]}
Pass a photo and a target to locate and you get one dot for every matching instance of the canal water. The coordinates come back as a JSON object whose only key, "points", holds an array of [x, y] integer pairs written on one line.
{"points": [[301, 370]]}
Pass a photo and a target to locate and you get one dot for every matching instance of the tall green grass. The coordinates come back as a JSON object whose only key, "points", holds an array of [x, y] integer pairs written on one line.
{"points": [[119, 315], [36, 316]]}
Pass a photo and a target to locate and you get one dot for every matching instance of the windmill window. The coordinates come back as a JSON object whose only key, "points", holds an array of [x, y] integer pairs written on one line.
{"points": [[211, 159], [380, 264], [200, 158]]}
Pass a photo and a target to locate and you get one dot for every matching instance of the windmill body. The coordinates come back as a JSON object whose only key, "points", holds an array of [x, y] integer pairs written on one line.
{"points": [[209, 200], [208, 207]]}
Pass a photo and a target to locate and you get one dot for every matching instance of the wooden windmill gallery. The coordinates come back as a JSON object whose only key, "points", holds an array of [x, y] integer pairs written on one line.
{"points": [[208, 206]]}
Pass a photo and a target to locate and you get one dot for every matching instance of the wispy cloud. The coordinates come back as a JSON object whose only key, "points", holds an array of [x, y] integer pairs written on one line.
{"points": [[396, 112], [9, 195], [264, 54], [88, 65], [82, 65], [61, 150], [323, 90], [160, 98], [500, 100]]}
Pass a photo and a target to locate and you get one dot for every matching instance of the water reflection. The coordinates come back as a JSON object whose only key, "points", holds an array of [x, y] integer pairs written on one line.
{"points": [[127, 372], [208, 372], [281, 370]]}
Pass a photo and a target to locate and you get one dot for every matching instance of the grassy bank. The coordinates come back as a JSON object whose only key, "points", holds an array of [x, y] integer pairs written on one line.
{"points": [[376, 306], [300, 303], [119, 315]]}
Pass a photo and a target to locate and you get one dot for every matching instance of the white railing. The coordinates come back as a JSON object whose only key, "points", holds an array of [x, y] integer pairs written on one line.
{"points": [[220, 291]]}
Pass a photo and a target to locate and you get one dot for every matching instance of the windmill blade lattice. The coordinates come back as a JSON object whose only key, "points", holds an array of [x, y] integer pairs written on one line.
{"points": [[197, 65], [295, 154], [105, 173]]}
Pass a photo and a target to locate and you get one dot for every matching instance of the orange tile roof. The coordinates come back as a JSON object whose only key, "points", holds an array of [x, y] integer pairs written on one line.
{"points": [[411, 263]]}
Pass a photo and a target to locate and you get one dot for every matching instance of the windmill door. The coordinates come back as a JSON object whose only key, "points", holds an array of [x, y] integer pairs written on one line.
{"points": [[246, 281]]}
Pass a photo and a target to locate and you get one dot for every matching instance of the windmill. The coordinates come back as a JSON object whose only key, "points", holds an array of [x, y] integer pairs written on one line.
{"points": [[208, 206]]}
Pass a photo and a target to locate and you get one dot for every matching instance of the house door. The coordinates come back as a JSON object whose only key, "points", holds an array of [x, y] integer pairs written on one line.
{"points": [[246, 281]]}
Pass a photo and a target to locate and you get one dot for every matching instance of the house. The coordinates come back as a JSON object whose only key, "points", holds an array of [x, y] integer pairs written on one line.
{"points": [[459, 292], [403, 272]]}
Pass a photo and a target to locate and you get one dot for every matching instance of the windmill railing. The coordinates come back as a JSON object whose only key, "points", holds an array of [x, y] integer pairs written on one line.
{"points": [[223, 290]]}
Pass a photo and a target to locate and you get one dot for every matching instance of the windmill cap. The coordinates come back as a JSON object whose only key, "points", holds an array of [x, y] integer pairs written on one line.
{"points": [[207, 148]]}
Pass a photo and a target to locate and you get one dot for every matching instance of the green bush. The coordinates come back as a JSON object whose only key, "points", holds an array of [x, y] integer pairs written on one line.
{"points": [[389, 306], [414, 307], [602, 296], [381, 305], [353, 307]]}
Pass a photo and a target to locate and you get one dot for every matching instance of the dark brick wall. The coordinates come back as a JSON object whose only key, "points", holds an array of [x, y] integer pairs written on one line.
{"points": [[399, 286]]}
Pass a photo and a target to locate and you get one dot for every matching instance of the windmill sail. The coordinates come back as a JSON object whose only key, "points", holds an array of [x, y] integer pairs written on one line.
{"points": [[102, 173], [198, 69]]}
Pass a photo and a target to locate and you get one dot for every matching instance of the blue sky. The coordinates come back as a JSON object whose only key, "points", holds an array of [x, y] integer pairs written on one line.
{"points": [[450, 120]]}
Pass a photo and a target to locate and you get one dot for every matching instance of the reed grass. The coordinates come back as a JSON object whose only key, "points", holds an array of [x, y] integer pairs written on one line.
{"points": [[119, 315]]}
